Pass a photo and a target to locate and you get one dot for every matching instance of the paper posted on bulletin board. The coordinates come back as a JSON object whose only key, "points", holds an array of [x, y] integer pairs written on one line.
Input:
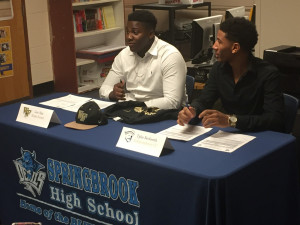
{"points": [[6, 61]]}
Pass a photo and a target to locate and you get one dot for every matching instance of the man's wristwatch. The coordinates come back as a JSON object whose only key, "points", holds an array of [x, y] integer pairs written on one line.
{"points": [[232, 120]]}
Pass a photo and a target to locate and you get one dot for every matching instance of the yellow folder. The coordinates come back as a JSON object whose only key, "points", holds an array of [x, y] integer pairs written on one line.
{"points": [[109, 17]]}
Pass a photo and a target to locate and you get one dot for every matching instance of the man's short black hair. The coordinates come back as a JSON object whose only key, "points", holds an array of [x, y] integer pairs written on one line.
{"points": [[241, 30], [143, 16]]}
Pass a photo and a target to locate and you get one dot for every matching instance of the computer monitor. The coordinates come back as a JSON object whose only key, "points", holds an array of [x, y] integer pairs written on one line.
{"points": [[252, 15], [202, 38], [216, 28], [235, 12]]}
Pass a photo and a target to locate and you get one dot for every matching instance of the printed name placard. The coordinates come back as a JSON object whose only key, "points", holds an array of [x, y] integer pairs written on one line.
{"points": [[143, 142], [37, 116]]}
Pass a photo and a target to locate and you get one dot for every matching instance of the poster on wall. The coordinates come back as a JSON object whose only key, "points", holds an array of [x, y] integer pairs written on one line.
{"points": [[6, 62]]}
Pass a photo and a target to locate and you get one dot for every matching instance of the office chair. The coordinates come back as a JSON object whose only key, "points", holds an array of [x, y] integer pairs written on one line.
{"points": [[189, 87], [291, 108]]}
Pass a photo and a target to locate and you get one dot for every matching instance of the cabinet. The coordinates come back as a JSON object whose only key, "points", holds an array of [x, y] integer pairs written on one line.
{"points": [[65, 41]]}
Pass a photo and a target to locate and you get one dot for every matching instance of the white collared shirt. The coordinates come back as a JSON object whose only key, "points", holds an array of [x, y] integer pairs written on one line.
{"points": [[158, 79]]}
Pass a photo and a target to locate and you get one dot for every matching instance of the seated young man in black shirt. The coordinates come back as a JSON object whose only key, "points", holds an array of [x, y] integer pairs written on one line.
{"points": [[248, 87]]}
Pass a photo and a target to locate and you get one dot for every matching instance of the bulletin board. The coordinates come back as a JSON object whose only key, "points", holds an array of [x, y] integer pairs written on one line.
{"points": [[6, 61]]}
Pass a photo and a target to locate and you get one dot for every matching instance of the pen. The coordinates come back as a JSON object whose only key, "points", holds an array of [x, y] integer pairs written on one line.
{"points": [[124, 86]]}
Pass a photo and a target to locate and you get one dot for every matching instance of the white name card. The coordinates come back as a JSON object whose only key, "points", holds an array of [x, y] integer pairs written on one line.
{"points": [[143, 142], [37, 116]]}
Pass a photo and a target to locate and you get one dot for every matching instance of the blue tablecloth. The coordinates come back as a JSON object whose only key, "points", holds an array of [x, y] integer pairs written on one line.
{"points": [[81, 177]]}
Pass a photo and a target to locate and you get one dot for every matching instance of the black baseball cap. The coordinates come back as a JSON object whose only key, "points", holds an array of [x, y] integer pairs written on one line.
{"points": [[88, 116]]}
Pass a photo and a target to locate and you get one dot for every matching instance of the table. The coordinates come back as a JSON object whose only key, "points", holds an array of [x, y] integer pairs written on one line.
{"points": [[81, 177], [171, 9]]}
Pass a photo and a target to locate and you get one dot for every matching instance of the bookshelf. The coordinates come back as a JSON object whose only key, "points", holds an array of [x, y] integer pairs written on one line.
{"points": [[92, 2], [81, 62], [95, 32], [66, 40]]}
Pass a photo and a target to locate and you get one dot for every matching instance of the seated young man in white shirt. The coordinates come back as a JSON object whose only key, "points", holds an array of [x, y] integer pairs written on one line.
{"points": [[148, 69]]}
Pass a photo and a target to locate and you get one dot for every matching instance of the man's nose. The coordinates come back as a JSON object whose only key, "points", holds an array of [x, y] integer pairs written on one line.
{"points": [[215, 45], [129, 36]]}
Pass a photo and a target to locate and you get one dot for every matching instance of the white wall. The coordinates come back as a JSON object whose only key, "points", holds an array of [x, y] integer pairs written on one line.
{"points": [[231, 3], [39, 41], [277, 24]]}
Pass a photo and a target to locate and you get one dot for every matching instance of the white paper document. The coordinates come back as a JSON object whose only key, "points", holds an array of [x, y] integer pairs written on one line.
{"points": [[103, 104], [224, 141], [184, 133], [69, 102], [72, 102]]}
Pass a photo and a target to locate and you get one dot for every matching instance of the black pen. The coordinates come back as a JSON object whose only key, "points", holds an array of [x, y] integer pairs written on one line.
{"points": [[124, 87]]}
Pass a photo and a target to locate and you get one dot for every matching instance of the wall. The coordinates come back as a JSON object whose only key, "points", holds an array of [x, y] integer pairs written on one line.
{"points": [[221, 4], [39, 41], [277, 24], [161, 15]]}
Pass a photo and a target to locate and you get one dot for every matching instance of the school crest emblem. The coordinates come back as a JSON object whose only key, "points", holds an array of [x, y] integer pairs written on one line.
{"points": [[30, 172]]}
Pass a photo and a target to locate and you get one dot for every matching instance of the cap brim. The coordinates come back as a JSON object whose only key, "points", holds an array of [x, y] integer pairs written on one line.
{"points": [[79, 126]]}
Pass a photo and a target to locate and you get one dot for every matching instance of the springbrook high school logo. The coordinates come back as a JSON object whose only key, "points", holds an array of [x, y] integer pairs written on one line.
{"points": [[129, 135], [29, 171]]}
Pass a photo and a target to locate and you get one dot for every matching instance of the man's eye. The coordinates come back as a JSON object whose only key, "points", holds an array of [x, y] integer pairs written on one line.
{"points": [[133, 32]]}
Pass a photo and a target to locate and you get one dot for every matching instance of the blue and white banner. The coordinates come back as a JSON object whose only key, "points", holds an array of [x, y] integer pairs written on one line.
{"points": [[77, 195]]}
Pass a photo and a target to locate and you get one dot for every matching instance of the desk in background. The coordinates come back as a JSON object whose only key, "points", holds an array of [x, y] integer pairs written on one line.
{"points": [[171, 8], [82, 176]]}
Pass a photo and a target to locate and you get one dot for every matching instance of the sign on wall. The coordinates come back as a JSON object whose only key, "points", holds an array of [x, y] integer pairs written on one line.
{"points": [[6, 62]]}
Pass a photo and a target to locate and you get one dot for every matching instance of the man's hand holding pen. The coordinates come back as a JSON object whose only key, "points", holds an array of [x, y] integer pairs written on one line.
{"points": [[118, 92], [210, 118], [185, 115]]}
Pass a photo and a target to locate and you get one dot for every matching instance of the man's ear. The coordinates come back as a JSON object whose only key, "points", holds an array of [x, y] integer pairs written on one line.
{"points": [[151, 34], [235, 48]]}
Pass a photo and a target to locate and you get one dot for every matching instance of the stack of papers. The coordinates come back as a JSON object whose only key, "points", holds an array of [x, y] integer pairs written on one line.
{"points": [[224, 141], [184, 133], [72, 102], [220, 141]]}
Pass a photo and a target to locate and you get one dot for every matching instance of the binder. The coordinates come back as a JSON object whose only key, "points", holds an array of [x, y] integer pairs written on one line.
{"points": [[109, 17]]}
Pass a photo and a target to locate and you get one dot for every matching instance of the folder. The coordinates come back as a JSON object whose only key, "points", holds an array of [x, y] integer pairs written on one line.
{"points": [[109, 17]]}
